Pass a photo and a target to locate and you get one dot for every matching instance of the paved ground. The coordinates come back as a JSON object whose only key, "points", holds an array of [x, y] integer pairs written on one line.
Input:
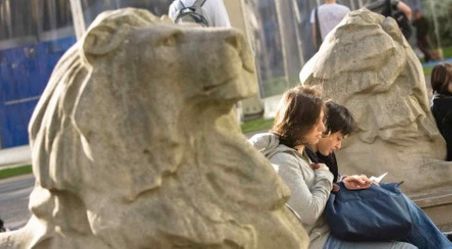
{"points": [[15, 191], [14, 197]]}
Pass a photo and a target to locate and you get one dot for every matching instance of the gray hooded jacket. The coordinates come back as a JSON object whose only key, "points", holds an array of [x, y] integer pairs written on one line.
{"points": [[309, 188]]}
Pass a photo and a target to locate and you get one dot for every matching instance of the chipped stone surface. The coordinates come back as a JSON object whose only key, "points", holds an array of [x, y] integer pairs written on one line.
{"points": [[134, 145], [368, 66]]}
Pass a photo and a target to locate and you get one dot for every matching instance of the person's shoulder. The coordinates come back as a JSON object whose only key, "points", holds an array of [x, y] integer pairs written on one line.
{"points": [[173, 9], [441, 104], [175, 4], [213, 4], [442, 99], [285, 161], [346, 8], [342, 7], [284, 152], [172, 6], [323, 7], [333, 7], [215, 1], [289, 157]]}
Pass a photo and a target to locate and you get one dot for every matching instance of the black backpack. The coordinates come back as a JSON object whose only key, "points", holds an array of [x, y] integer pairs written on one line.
{"points": [[192, 14], [386, 8]]}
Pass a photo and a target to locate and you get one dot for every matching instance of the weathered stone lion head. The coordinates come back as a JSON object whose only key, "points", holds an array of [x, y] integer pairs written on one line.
{"points": [[134, 145]]}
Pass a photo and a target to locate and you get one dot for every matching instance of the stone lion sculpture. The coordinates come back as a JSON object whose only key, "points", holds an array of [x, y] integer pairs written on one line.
{"points": [[367, 65], [134, 145]]}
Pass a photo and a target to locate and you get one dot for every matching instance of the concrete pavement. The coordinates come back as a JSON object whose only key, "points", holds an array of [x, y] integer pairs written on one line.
{"points": [[14, 198]]}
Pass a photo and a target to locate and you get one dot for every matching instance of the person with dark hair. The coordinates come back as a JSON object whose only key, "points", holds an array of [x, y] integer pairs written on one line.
{"points": [[339, 124], [299, 122], [441, 81]]}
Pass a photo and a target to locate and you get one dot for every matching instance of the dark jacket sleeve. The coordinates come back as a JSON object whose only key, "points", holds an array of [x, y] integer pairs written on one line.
{"points": [[442, 111]]}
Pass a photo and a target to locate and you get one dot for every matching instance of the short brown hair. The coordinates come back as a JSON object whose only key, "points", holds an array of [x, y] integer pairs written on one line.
{"points": [[298, 111], [441, 77]]}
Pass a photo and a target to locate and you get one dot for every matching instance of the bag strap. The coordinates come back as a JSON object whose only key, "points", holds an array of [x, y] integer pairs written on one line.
{"points": [[182, 6], [317, 26], [198, 4], [389, 7]]}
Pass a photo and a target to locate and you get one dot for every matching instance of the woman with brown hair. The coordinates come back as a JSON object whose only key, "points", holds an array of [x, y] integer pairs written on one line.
{"points": [[298, 123], [441, 80]]}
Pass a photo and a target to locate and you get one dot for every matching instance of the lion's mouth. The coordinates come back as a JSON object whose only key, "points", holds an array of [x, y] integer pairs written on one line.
{"points": [[210, 88]]}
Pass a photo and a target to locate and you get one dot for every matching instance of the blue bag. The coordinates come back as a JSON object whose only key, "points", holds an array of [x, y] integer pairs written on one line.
{"points": [[379, 213]]}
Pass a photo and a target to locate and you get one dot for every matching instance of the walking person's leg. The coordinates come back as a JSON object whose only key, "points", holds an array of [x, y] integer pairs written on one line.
{"points": [[423, 45]]}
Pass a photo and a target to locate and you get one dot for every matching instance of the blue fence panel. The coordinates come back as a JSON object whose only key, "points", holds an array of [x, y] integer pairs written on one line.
{"points": [[24, 73], [14, 130]]}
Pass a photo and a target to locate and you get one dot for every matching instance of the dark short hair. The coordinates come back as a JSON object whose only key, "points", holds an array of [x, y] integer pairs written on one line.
{"points": [[441, 77], [298, 112], [339, 119]]}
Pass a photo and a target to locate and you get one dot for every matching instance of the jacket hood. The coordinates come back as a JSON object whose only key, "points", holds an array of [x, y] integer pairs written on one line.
{"points": [[268, 144]]}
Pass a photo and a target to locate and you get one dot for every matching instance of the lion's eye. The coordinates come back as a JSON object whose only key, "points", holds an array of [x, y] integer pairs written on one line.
{"points": [[170, 40]]}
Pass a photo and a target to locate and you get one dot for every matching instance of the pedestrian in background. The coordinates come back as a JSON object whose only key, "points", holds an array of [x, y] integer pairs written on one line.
{"points": [[324, 18], [422, 41], [396, 9]]}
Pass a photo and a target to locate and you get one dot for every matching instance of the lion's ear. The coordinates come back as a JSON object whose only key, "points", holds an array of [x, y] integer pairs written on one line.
{"points": [[103, 39]]}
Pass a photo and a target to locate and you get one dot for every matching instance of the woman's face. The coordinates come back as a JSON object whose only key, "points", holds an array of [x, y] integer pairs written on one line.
{"points": [[314, 135], [330, 143]]}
